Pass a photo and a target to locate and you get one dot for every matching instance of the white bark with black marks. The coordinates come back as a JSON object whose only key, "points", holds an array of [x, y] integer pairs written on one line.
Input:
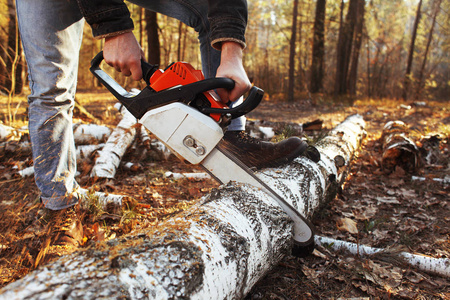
{"points": [[398, 148], [118, 142], [439, 266], [85, 134]]}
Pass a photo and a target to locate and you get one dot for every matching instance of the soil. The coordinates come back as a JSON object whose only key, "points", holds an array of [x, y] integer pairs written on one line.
{"points": [[378, 207]]}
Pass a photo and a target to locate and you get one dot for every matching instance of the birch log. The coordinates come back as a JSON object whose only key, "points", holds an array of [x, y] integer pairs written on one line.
{"points": [[5, 132], [15, 147], [218, 249], [85, 134], [85, 151], [439, 266], [8, 133], [118, 142], [398, 148]]}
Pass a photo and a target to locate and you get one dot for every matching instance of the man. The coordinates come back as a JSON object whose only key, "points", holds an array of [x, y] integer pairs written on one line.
{"points": [[51, 32]]}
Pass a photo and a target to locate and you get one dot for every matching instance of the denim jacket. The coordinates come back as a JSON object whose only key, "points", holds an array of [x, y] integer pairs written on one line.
{"points": [[228, 19]]}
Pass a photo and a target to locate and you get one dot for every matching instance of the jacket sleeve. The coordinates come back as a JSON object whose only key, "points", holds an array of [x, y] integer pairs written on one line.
{"points": [[228, 21], [106, 17]]}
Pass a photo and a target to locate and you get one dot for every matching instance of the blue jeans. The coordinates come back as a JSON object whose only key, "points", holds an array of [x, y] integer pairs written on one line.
{"points": [[51, 32]]}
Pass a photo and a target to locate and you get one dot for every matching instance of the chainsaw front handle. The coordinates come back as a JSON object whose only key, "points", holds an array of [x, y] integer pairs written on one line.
{"points": [[148, 99]]}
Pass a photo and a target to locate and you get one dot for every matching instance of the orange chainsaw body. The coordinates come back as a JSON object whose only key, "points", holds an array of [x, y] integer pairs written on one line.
{"points": [[182, 73]]}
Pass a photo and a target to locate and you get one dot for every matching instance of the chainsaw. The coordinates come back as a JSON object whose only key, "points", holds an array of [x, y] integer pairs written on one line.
{"points": [[179, 106]]}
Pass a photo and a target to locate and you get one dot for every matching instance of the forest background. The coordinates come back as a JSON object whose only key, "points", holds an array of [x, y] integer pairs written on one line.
{"points": [[296, 49]]}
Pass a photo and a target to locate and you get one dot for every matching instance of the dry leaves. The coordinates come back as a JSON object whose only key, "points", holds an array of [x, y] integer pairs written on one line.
{"points": [[347, 224]]}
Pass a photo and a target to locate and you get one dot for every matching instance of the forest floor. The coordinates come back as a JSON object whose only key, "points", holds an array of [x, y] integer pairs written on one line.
{"points": [[375, 207]]}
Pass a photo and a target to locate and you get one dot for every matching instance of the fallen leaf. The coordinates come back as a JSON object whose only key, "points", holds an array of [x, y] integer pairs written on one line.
{"points": [[388, 200], [311, 274], [366, 212], [319, 254], [157, 196], [347, 224], [381, 234]]}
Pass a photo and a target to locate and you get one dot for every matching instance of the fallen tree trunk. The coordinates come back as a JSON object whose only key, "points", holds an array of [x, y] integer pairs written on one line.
{"points": [[87, 134], [83, 134], [439, 266], [398, 149], [15, 147], [8, 133], [118, 142], [82, 152], [5, 132], [218, 249]]}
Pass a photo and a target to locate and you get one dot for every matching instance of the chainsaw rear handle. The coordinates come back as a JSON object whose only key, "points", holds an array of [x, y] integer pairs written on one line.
{"points": [[147, 99], [250, 103]]}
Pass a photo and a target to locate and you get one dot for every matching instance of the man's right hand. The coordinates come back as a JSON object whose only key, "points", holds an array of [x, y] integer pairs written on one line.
{"points": [[124, 54]]}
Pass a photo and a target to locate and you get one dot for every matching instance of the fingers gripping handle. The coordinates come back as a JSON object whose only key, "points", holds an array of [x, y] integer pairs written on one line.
{"points": [[250, 103], [116, 89]]}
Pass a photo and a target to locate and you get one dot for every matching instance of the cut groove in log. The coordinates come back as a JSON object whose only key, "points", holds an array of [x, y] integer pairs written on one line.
{"points": [[217, 249]]}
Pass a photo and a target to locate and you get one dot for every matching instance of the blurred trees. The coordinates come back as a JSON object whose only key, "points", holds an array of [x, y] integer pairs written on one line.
{"points": [[348, 47], [153, 46], [411, 51], [318, 48], [292, 52], [10, 51]]}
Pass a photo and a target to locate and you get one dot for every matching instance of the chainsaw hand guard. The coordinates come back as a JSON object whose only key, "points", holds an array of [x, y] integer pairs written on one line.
{"points": [[190, 93]]}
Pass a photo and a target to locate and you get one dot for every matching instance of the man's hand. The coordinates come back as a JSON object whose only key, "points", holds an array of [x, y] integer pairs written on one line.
{"points": [[124, 53], [231, 67]]}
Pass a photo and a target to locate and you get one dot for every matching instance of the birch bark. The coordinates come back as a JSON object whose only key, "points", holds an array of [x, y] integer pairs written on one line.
{"points": [[118, 142]]}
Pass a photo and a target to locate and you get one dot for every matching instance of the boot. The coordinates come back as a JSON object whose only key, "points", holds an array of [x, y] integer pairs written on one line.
{"points": [[63, 226], [260, 154]]}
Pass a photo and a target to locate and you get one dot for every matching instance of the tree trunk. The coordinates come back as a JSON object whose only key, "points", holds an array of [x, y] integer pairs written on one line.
{"points": [[88, 134], [292, 45], [181, 37], [218, 249], [439, 266], [13, 82], [408, 73], [369, 94], [154, 52], [318, 51], [118, 142], [344, 49], [6, 132], [3, 72], [298, 80], [425, 55], [353, 75], [398, 149]]}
